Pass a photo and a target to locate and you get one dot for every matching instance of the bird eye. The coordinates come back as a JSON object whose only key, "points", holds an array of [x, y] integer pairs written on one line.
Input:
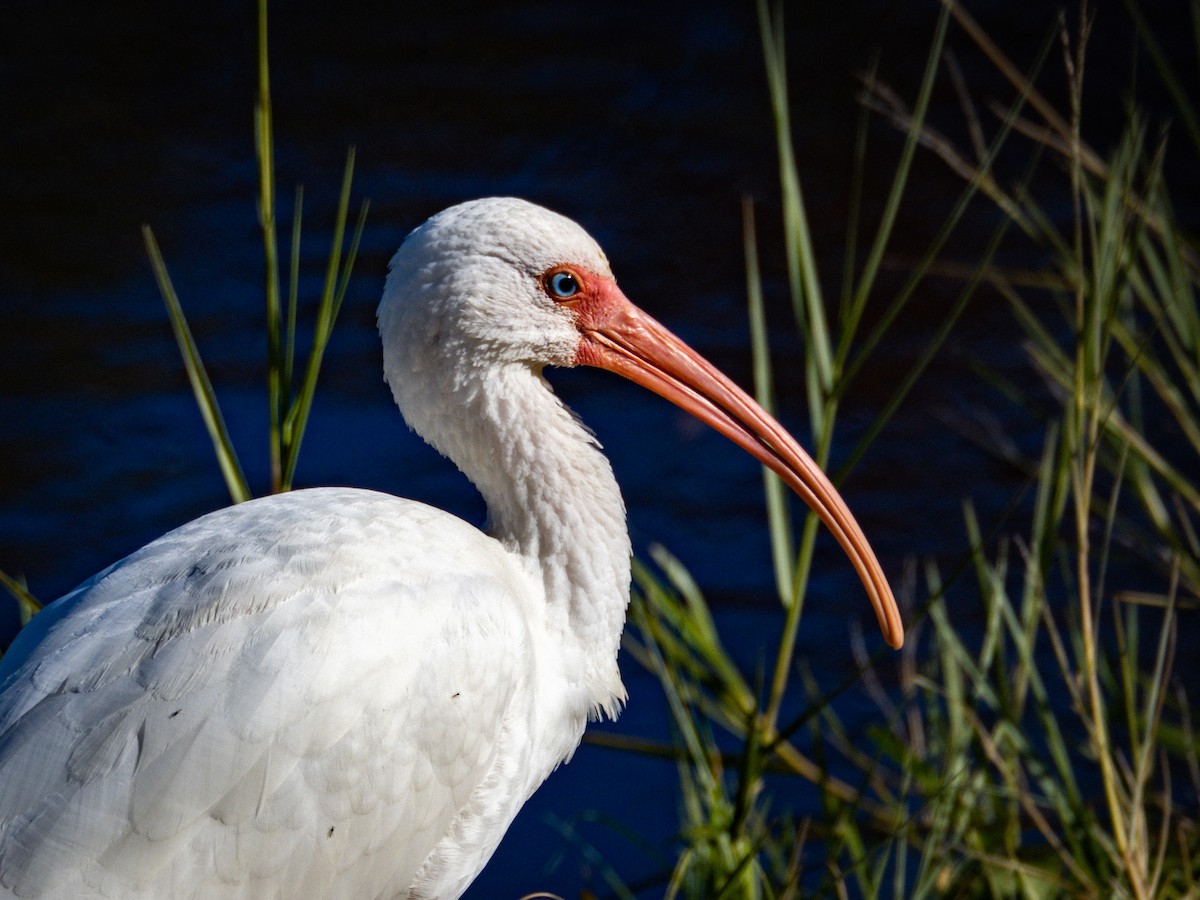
{"points": [[562, 285]]}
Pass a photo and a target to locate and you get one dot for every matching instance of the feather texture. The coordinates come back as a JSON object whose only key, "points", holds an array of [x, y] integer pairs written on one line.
{"points": [[265, 729]]}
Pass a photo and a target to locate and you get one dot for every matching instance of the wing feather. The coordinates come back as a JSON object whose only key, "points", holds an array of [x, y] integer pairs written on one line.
{"points": [[311, 684]]}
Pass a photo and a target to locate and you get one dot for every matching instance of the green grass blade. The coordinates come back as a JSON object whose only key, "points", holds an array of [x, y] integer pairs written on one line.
{"points": [[1178, 92], [327, 310], [27, 604], [206, 398], [933, 346], [783, 549], [289, 350], [265, 153], [887, 222], [854, 206], [348, 262], [807, 299], [851, 365]]}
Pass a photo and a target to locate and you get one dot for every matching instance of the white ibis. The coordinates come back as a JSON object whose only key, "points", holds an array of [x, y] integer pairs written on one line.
{"points": [[339, 693]]}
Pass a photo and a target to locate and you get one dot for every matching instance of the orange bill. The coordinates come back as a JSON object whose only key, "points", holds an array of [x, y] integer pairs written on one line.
{"points": [[618, 336]]}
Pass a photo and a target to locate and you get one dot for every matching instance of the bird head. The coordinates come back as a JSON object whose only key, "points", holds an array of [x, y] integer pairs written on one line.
{"points": [[483, 281]]}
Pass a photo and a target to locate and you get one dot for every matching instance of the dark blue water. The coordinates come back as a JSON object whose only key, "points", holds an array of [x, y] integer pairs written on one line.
{"points": [[646, 123]]}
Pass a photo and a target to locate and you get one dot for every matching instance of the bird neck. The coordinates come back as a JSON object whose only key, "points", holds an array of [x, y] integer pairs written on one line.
{"points": [[553, 501]]}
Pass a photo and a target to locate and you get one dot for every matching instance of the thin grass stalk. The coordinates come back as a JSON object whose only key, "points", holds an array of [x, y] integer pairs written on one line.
{"points": [[664, 620], [1053, 362], [1015, 77], [1175, 322], [1083, 434], [1057, 134], [883, 235], [805, 289], [265, 153], [702, 634], [779, 524], [1152, 710], [684, 723], [807, 298], [1181, 104], [977, 177], [206, 398], [854, 206], [28, 605], [916, 370], [289, 359], [327, 310], [809, 304], [1110, 521], [749, 776], [351, 256], [809, 310]]}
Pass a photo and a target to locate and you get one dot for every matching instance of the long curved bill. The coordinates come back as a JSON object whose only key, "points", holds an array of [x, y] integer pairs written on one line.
{"points": [[621, 338]]}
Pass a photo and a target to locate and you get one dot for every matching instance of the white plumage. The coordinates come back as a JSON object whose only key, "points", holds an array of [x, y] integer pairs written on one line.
{"points": [[338, 693]]}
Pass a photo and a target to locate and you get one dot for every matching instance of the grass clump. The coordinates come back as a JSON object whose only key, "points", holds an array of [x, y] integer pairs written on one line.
{"points": [[290, 386], [1044, 747]]}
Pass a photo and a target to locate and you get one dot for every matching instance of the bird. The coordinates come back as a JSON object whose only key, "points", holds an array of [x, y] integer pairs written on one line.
{"points": [[335, 692]]}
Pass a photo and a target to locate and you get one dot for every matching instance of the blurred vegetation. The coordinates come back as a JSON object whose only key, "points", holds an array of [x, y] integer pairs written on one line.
{"points": [[1051, 751]]}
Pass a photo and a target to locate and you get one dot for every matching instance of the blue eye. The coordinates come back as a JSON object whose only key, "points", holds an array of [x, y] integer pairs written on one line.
{"points": [[562, 285]]}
